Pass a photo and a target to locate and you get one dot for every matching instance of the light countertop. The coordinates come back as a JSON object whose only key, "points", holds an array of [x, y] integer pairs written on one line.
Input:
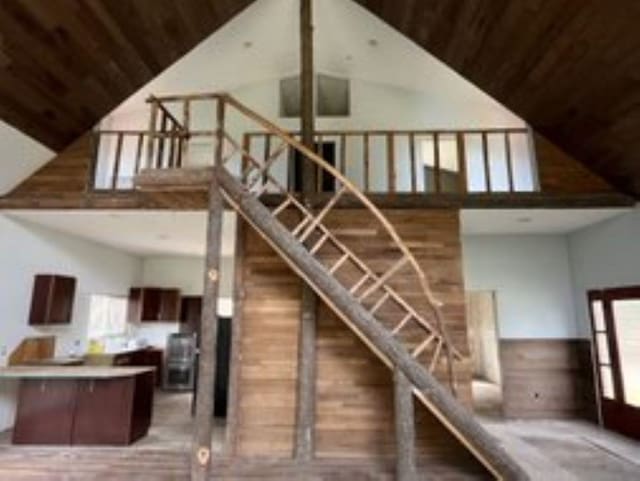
{"points": [[71, 372]]}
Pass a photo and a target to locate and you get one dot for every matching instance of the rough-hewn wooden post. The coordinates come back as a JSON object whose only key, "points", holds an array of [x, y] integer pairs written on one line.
{"points": [[203, 422], [305, 413], [405, 428]]}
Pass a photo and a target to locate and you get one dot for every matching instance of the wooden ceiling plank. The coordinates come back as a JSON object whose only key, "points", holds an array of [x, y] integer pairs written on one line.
{"points": [[570, 68]]}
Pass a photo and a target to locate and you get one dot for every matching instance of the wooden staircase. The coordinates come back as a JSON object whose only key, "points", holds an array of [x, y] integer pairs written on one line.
{"points": [[406, 334]]}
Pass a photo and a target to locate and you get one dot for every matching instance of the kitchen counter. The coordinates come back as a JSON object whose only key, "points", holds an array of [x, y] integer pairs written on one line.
{"points": [[82, 405], [71, 372]]}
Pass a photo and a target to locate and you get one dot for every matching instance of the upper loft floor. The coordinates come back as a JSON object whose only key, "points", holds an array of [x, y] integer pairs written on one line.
{"points": [[422, 167]]}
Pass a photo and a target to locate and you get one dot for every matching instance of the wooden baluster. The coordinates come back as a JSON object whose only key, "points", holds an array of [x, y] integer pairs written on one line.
{"points": [[436, 355], [343, 154], [171, 146], [401, 324], [95, 152], [319, 243], [436, 163], [383, 298], [412, 161], [246, 146], [365, 141], [152, 133], [485, 156], [385, 277], [265, 155], [184, 141], [391, 163], [462, 163], [136, 167], [507, 153], [339, 263], [116, 163], [319, 171], [161, 140], [323, 213], [423, 345]]}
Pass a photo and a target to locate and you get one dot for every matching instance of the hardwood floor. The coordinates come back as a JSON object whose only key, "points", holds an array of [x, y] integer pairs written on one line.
{"points": [[568, 450]]}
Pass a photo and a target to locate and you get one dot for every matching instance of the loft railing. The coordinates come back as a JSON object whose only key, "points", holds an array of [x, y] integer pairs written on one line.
{"points": [[119, 155], [434, 161], [419, 161]]}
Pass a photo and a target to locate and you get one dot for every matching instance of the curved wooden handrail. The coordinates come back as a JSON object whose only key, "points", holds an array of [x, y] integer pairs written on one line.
{"points": [[434, 303]]}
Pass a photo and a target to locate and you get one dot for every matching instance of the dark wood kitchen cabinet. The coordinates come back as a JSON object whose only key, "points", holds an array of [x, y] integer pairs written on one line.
{"points": [[45, 412], [105, 409], [52, 299], [153, 304], [128, 415], [190, 314]]}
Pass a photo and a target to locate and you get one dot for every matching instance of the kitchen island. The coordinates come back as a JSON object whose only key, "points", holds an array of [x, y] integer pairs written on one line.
{"points": [[81, 405]]}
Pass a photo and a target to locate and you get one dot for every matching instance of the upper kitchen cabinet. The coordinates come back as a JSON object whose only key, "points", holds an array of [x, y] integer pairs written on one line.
{"points": [[52, 299], [153, 304]]}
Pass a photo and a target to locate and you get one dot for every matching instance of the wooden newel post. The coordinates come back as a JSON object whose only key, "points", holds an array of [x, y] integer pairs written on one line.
{"points": [[405, 428], [203, 422]]}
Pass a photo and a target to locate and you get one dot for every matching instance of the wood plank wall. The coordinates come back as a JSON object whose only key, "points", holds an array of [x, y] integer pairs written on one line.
{"points": [[354, 388], [65, 173], [266, 383], [547, 378], [559, 173]]}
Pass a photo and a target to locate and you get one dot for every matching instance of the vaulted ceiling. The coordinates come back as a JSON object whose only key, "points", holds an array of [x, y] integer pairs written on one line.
{"points": [[64, 64], [571, 68]]}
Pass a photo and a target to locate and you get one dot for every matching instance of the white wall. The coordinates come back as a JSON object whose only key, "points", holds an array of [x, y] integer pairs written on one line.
{"points": [[27, 249], [532, 279], [604, 255], [21, 156]]}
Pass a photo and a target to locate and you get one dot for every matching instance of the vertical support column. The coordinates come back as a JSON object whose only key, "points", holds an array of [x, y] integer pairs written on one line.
{"points": [[305, 410], [203, 422], [405, 428]]}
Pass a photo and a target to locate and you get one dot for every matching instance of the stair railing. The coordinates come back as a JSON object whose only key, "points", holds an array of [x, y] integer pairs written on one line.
{"points": [[259, 177]]}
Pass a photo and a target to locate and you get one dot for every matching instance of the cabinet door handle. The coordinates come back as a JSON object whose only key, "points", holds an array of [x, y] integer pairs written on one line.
{"points": [[43, 386], [91, 385]]}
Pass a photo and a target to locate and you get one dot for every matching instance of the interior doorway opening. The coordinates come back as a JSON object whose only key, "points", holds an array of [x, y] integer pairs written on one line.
{"points": [[485, 358]]}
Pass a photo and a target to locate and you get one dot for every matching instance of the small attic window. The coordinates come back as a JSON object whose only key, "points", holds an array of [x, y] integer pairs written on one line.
{"points": [[332, 96]]}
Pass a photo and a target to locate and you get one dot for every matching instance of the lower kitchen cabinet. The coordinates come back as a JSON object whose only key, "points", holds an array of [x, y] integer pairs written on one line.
{"points": [[107, 411], [45, 411]]}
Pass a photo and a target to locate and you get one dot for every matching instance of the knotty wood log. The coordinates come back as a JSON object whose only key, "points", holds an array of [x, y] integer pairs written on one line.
{"points": [[452, 414], [305, 408], [405, 428], [203, 422]]}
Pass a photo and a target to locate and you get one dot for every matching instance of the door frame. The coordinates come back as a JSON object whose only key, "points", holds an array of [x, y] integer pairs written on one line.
{"points": [[613, 413]]}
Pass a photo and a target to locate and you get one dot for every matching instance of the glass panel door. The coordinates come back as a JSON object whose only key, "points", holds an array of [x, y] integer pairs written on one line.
{"points": [[615, 316], [626, 316], [603, 356]]}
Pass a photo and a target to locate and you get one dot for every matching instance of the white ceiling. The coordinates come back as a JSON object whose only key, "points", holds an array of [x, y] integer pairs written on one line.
{"points": [[261, 44], [142, 233], [531, 221], [183, 233]]}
